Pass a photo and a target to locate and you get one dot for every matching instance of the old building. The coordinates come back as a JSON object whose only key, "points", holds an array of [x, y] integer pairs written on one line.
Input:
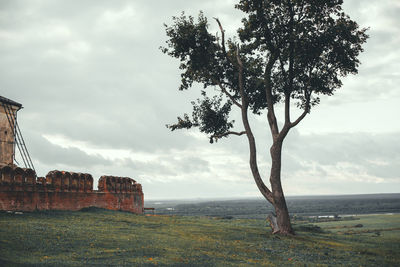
{"points": [[8, 116]]}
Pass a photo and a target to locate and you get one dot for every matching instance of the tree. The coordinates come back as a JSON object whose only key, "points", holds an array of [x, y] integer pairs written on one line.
{"points": [[287, 51]]}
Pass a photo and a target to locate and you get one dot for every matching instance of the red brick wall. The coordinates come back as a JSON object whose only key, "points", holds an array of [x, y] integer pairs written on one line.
{"points": [[21, 191]]}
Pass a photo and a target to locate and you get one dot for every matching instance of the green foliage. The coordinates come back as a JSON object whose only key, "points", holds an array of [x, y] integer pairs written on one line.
{"points": [[196, 48], [209, 115], [110, 238], [296, 49], [316, 43]]}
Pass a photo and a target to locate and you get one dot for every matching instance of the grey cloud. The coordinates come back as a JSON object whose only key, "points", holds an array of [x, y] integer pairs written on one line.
{"points": [[152, 168], [166, 165], [192, 164], [117, 86], [377, 154], [46, 153]]}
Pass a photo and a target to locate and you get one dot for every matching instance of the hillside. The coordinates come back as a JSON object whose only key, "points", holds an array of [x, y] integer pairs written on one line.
{"points": [[101, 237]]}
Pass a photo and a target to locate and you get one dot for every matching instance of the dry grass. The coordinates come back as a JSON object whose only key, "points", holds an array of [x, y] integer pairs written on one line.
{"points": [[100, 237]]}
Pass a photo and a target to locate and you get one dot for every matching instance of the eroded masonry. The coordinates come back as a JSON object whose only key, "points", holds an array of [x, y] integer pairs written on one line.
{"points": [[22, 190]]}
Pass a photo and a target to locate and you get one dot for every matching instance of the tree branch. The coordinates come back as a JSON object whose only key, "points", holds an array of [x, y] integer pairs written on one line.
{"points": [[307, 97], [222, 35], [228, 133], [273, 124], [287, 108], [289, 88], [299, 119], [240, 64], [306, 110], [265, 191], [223, 40], [282, 66], [223, 89]]}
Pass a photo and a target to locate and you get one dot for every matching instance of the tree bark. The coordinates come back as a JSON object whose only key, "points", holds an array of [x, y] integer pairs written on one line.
{"points": [[281, 210]]}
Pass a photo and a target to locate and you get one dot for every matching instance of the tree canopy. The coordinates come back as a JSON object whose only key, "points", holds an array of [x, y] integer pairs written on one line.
{"points": [[300, 49]]}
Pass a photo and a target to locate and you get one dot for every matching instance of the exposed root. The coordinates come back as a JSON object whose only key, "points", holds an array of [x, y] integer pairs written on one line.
{"points": [[273, 222]]}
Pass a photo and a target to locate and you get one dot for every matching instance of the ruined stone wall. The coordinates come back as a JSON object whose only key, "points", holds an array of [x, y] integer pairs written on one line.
{"points": [[20, 190], [6, 137]]}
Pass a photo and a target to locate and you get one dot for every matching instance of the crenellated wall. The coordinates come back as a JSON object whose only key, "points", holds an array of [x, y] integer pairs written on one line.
{"points": [[60, 190]]}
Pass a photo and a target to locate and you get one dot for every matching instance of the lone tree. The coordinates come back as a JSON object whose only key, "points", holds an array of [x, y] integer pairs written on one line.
{"points": [[287, 51]]}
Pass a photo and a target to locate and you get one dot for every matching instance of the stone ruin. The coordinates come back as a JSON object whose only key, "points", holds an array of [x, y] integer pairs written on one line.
{"points": [[20, 190]]}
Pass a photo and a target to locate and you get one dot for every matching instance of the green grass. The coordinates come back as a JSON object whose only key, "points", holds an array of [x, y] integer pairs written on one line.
{"points": [[100, 237]]}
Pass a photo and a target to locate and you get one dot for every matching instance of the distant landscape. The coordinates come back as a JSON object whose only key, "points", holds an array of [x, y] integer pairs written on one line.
{"points": [[340, 205]]}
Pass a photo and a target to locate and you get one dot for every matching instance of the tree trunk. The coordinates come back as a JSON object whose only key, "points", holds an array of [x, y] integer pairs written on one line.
{"points": [[280, 224], [281, 211]]}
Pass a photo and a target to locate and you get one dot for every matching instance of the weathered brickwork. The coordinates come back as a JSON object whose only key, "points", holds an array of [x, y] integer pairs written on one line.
{"points": [[59, 190], [7, 145]]}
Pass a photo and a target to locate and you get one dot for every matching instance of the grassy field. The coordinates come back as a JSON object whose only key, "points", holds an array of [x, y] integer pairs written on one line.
{"points": [[110, 238]]}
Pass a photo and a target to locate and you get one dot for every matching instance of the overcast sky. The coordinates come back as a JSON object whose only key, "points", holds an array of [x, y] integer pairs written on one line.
{"points": [[97, 93]]}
